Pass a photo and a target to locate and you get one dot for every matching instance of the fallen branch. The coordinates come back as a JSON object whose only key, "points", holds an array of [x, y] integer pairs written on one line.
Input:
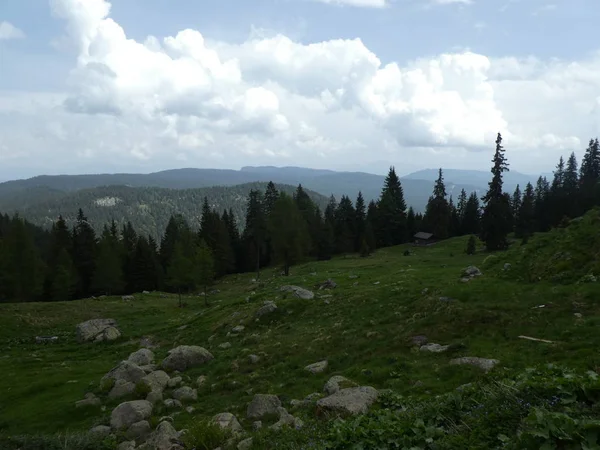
{"points": [[529, 338]]}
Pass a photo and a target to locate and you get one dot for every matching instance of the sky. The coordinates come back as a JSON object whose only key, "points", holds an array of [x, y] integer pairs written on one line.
{"points": [[91, 86]]}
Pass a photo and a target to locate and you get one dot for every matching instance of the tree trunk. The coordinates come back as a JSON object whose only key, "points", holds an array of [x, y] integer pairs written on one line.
{"points": [[286, 269]]}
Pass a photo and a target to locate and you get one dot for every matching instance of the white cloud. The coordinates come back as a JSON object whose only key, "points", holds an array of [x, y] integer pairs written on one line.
{"points": [[270, 100], [357, 3], [9, 31]]}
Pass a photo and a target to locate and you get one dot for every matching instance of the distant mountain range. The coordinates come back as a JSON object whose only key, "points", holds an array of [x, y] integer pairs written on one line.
{"points": [[42, 198]]}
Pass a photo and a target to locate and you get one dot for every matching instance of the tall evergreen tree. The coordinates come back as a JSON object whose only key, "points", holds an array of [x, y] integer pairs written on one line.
{"points": [[288, 232], [108, 276], [571, 186], [411, 224], [589, 178], [345, 226], [542, 204], [271, 196], [84, 254], [391, 215], [181, 274], [64, 279], [471, 223], [360, 220], [461, 205], [515, 204], [525, 222], [437, 212], [495, 220], [255, 233]]}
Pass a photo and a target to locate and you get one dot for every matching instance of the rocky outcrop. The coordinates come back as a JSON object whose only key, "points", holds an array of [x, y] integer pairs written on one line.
{"points": [[128, 413], [350, 401], [98, 330], [263, 405], [185, 357]]}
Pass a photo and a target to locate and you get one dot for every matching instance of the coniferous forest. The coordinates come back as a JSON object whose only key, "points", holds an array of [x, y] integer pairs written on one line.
{"points": [[279, 229]]}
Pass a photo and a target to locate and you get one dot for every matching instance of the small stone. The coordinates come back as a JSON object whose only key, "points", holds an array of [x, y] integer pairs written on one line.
{"points": [[238, 329], [190, 409], [172, 404], [263, 405], [128, 413], [317, 367], [225, 345], [419, 340], [100, 432], [484, 364], [227, 421], [174, 382], [90, 400], [185, 394], [138, 431], [155, 397], [253, 359], [434, 348], [578, 315]]}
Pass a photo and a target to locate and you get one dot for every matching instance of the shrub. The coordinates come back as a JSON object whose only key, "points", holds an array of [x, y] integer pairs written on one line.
{"points": [[204, 435], [471, 246]]}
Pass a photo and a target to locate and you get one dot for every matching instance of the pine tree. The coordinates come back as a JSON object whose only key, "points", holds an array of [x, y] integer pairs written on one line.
{"points": [[525, 223], [589, 178], [64, 278], [471, 245], [471, 223], [84, 254], [557, 202], [455, 222], [330, 210], [233, 232], [345, 226], [495, 220], [571, 186], [255, 233], [180, 273], [360, 220], [108, 276], [542, 204], [222, 254], [515, 205], [391, 216], [307, 208], [411, 222], [129, 240], [271, 196], [288, 232], [461, 206], [437, 212], [204, 268], [60, 239]]}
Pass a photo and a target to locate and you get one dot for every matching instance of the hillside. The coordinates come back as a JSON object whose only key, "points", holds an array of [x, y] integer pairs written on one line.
{"points": [[417, 187], [366, 328], [148, 208]]}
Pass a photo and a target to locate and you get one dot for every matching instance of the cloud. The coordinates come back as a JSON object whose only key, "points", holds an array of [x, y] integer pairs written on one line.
{"points": [[357, 3], [158, 103], [451, 2], [9, 31]]}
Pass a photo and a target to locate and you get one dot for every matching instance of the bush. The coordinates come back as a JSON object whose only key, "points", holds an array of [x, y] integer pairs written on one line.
{"points": [[471, 246], [204, 436]]}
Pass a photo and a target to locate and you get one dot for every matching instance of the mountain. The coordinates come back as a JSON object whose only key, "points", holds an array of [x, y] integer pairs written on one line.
{"points": [[148, 208]]}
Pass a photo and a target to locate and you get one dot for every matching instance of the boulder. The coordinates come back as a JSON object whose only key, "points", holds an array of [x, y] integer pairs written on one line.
{"points": [[174, 382], [154, 397], [328, 284], [267, 308], [142, 357], [317, 367], [156, 381], [253, 359], [335, 383], [350, 401], [121, 388], [172, 404], [149, 368], [185, 394], [286, 420], [471, 272], [225, 345], [434, 348], [89, 400], [138, 431], [484, 364], [238, 329], [246, 444], [201, 380], [185, 357], [299, 292], [419, 340], [125, 371], [165, 437], [128, 413], [127, 298], [100, 432], [227, 421], [97, 330], [126, 445], [263, 405]]}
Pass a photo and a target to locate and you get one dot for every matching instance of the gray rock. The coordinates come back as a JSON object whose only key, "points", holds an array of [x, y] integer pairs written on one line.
{"points": [[299, 292], [256, 425], [127, 298], [253, 359], [201, 381], [190, 409], [96, 330], [434, 348], [155, 397], [46, 339], [286, 420], [125, 371], [128, 413], [317, 367], [89, 400], [165, 437], [157, 381], [185, 357], [138, 431], [333, 384], [419, 340], [484, 364], [227, 421], [471, 272], [350, 401], [507, 266], [328, 284], [246, 444], [267, 308], [121, 388], [225, 345], [185, 394], [174, 382], [127, 445], [263, 405], [142, 357], [100, 432], [149, 368], [172, 404], [238, 329]]}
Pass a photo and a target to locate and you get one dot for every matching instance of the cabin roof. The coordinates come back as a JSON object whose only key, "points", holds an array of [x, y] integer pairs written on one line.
{"points": [[423, 235]]}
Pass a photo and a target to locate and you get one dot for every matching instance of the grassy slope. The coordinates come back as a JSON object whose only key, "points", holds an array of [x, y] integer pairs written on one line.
{"points": [[485, 318]]}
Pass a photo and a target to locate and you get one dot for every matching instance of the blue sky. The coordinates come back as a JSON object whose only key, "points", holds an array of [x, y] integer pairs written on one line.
{"points": [[297, 108]]}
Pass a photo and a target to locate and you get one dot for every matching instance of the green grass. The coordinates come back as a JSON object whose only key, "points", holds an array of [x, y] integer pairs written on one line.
{"points": [[395, 296]]}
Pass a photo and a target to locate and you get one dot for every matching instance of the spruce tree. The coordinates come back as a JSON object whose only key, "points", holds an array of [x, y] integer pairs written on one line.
{"points": [[108, 276], [360, 220], [461, 206], [515, 204], [391, 215], [64, 278], [345, 226], [255, 232], [542, 204], [571, 186], [288, 232], [558, 203], [84, 254], [495, 220], [525, 223], [181, 274], [411, 224], [589, 178], [437, 212], [471, 223], [271, 196], [454, 229]]}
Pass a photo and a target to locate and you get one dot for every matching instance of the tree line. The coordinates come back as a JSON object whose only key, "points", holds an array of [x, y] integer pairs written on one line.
{"points": [[74, 262]]}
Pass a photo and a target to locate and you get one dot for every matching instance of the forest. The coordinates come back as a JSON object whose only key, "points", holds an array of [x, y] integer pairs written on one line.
{"points": [[70, 262]]}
